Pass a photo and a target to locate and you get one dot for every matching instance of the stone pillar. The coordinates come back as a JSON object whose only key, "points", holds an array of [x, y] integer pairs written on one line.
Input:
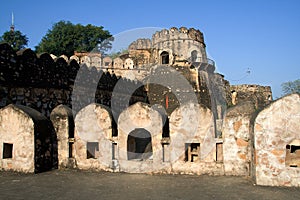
{"points": [[63, 122], [237, 139]]}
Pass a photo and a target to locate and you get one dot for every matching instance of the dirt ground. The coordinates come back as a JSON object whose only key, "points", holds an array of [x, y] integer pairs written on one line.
{"points": [[71, 184]]}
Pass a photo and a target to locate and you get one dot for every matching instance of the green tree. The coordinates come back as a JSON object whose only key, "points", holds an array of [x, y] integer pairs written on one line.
{"points": [[291, 87], [114, 55], [65, 38], [15, 39]]}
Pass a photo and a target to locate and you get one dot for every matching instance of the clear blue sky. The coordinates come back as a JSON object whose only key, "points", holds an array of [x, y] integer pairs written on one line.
{"points": [[263, 35]]}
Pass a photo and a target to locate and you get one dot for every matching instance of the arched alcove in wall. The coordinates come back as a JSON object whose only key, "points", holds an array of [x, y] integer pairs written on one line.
{"points": [[139, 139], [194, 55], [139, 144], [164, 57]]}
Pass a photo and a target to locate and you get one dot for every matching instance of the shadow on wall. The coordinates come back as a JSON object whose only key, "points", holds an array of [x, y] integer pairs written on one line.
{"points": [[30, 143]]}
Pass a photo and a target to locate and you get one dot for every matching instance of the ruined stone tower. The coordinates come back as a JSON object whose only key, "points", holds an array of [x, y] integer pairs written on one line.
{"points": [[178, 44]]}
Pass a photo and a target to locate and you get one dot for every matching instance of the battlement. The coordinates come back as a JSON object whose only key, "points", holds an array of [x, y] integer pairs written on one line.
{"points": [[142, 43], [259, 95], [178, 34]]}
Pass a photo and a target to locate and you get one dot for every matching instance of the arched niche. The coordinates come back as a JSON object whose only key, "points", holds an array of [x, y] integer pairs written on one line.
{"points": [[139, 144], [164, 58], [85, 60], [194, 55], [139, 132], [128, 63]]}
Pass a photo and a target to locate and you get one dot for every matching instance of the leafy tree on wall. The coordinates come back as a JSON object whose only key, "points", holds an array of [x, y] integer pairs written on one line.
{"points": [[291, 87], [65, 38], [15, 39]]}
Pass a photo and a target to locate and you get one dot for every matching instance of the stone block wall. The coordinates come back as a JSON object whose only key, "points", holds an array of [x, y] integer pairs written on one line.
{"points": [[63, 122], [238, 137], [28, 141], [41, 99], [192, 141], [134, 158], [20, 135], [276, 129], [93, 138], [25, 69], [43, 83], [261, 96], [172, 86]]}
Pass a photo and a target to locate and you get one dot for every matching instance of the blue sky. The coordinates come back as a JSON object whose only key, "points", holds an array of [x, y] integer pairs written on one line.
{"points": [[260, 35]]}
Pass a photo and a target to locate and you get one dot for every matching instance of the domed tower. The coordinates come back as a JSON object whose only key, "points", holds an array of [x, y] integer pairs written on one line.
{"points": [[183, 51], [178, 44]]}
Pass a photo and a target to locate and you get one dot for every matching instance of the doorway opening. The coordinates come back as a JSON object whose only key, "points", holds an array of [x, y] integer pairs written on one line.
{"points": [[139, 145]]}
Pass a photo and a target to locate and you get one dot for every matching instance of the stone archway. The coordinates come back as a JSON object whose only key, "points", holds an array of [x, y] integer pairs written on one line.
{"points": [[194, 55], [139, 145], [139, 139], [165, 57]]}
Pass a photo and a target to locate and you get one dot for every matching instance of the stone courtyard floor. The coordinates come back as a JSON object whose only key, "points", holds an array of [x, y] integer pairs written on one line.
{"points": [[72, 184]]}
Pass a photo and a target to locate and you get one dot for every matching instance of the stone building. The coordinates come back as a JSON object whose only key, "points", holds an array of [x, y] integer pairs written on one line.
{"points": [[158, 108], [177, 43], [27, 140], [90, 59], [259, 95]]}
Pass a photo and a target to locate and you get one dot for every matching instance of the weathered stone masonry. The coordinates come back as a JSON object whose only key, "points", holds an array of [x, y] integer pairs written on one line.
{"points": [[96, 113], [28, 140]]}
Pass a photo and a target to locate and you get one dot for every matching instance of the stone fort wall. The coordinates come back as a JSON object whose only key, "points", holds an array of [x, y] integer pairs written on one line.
{"points": [[42, 82]]}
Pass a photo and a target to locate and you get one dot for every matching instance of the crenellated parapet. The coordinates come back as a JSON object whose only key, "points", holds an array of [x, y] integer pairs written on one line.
{"points": [[142, 43], [178, 34], [259, 95], [179, 44]]}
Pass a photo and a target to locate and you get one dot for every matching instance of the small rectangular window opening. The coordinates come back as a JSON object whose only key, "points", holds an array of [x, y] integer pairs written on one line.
{"points": [[91, 149], [166, 152], [71, 147], [71, 144], [294, 148], [192, 151], [219, 152], [114, 151], [292, 157], [7, 150]]}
